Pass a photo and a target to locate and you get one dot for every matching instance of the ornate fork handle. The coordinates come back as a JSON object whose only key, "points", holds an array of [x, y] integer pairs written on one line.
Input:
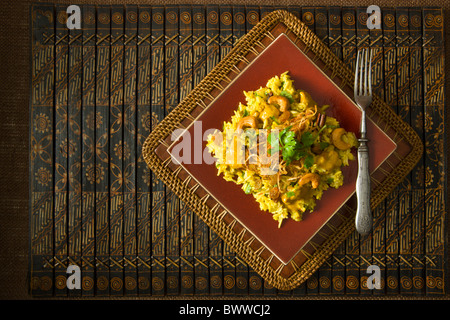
{"points": [[363, 213]]}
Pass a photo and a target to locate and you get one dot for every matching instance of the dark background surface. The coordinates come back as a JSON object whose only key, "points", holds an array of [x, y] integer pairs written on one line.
{"points": [[14, 123]]}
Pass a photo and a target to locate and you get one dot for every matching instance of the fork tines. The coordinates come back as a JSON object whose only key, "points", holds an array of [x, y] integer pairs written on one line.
{"points": [[363, 72]]}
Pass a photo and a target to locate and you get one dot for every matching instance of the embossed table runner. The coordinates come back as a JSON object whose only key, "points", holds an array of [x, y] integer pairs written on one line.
{"points": [[96, 94]]}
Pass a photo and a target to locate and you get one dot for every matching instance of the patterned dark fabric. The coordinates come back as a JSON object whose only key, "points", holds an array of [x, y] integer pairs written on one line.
{"points": [[96, 94]]}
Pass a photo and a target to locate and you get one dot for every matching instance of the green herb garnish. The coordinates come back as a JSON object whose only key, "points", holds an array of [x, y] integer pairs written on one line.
{"points": [[323, 145], [290, 194], [309, 161], [287, 95], [274, 119], [256, 94], [248, 188], [291, 148]]}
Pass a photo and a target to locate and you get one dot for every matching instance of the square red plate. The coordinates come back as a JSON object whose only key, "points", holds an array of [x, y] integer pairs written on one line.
{"points": [[280, 56], [286, 256]]}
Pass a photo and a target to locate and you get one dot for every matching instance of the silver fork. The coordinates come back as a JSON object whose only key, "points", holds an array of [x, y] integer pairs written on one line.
{"points": [[363, 97]]}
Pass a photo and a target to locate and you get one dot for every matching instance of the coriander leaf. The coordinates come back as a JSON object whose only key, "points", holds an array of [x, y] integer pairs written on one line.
{"points": [[292, 149], [323, 145], [309, 161], [288, 138], [300, 154], [307, 139], [286, 153], [290, 194], [286, 130]]}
